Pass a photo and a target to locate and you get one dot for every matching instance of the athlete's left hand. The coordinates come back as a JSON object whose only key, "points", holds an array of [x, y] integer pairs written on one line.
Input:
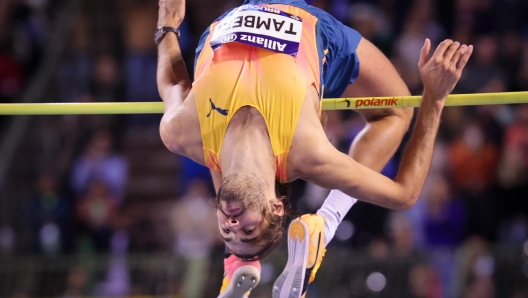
{"points": [[171, 13], [441, 72]]}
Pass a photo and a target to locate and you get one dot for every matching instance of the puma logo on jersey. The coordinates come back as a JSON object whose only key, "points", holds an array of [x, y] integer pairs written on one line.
{"points": [[214, 108]]}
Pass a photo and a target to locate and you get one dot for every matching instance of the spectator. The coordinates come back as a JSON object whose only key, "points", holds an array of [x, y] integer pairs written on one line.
{"points": [[401, 232], [516, 137], [521, 77], [99, 161], [11, 77], [50, 212], [95, 213], [511, 54], [371, 22], [483, 68], [473, 160], [74, 71], [512, 179], [444, 221], [514, 161], [475, 269], [424, 282], [133, 219], [106, 79], [7, 240], [11, 72], [140, 59], [420, 23], [444, 229], [117, 282], [76, 283], [23, 29], [194, 223]]}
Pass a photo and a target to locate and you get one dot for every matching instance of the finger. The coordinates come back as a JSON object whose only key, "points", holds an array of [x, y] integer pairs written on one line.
{"points": [[451, 51], [441, 49], [463, 61], [461, 51], [424, 53]]}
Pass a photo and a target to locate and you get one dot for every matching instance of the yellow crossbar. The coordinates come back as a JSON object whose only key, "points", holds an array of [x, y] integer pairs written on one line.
{"points": [[327, 104]]}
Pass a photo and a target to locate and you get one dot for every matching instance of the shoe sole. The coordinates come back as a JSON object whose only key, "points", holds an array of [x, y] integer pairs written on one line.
{"points": [[289, 283], [244, 279]]}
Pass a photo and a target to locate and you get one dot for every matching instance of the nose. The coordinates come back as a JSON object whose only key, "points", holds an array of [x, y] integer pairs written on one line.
{"points": [[230, 223]]}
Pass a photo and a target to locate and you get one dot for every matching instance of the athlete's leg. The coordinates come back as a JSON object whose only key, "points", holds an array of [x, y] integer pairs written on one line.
{"points": [[334, 208], [381, 137], [377, 142]]}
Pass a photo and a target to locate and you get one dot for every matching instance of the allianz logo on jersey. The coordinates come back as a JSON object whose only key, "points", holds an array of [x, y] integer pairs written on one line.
{"points": [[267, 43], [264, 42], [228, 38]]}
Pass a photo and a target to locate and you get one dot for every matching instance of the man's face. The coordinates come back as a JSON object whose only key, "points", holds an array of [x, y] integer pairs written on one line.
{"points": [[239, 227]]}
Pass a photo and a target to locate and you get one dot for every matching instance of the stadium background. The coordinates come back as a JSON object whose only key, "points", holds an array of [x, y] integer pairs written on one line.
{"points": [[96, 206]]}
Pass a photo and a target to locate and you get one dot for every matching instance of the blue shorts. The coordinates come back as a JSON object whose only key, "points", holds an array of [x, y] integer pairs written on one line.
{"points": [[339, 42]]}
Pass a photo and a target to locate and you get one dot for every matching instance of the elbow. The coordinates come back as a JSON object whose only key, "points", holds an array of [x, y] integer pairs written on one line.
{"points": [[407, 202], [169, 135]]}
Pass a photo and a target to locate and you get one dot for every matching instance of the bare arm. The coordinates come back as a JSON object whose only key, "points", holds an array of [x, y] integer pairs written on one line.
{"points": [[173, 81], [334, 170]]}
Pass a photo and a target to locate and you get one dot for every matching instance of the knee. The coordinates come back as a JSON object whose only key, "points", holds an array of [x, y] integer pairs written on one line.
{"points": [[404, 116], [398, 117]]}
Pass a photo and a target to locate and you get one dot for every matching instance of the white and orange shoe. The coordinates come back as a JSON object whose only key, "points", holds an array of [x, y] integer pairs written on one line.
{"points": [[305, 253], [239, 277]]}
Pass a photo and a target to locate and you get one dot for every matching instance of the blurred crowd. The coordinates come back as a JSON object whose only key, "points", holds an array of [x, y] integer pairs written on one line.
{"points": [[77, 200]]}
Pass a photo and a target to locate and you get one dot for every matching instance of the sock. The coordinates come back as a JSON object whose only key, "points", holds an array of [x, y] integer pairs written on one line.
{"points": [[334, 209]]}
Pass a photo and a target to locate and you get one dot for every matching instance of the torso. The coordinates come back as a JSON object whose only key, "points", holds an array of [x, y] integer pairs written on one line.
{"points": [[308, 124], [276, 93], [272, 75]]}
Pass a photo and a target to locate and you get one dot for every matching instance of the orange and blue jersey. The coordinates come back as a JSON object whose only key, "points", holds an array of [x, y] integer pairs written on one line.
{"points": [[282, 48]]}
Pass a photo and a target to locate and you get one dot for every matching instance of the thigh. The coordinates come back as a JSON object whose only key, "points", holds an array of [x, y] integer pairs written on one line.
{"points": [[377, 77]]}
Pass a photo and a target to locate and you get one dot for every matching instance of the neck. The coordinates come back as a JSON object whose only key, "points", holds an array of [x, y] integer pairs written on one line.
{"points": [[249, 152]]}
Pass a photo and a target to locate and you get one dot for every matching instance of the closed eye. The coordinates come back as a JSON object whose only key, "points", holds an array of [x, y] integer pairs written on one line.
{"points": [[248, 232]]}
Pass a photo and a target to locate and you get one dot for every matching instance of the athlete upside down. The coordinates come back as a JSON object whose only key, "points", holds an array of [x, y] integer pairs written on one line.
{"points": [[252, 115]]}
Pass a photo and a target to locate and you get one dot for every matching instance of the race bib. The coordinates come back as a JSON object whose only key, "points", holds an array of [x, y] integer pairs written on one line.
{"points": [[260, 26]]}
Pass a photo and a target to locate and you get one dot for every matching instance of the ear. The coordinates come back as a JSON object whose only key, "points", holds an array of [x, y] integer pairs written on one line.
{"points": [[277, 207]]}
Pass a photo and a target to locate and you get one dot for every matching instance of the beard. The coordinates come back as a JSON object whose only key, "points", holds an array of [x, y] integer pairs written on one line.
{"points": [[242, 189]]}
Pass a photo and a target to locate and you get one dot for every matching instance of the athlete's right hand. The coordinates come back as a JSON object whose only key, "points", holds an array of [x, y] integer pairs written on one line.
{"points": [[441, 72], [171, 13]]}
